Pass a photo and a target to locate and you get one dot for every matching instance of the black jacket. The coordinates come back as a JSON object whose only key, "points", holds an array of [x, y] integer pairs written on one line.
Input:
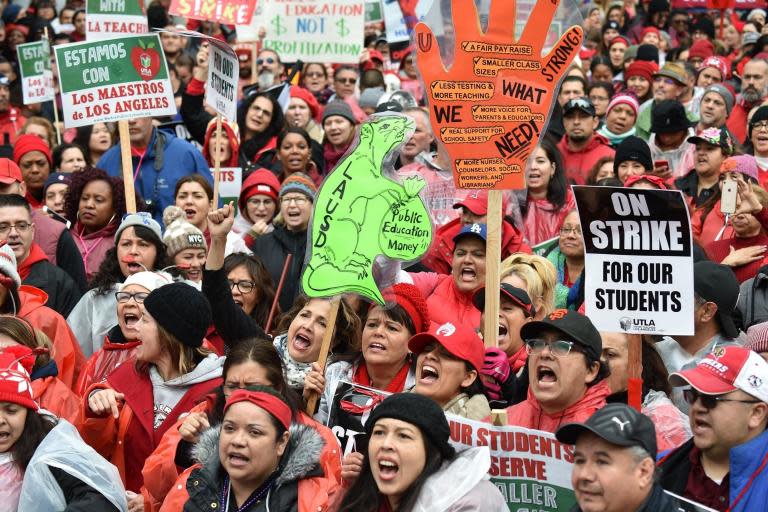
{"points": [[658, 501], [69, 259], [273, 248], [231, 322], [63, 293], [79, 496], [675, 467], [195, 117]]}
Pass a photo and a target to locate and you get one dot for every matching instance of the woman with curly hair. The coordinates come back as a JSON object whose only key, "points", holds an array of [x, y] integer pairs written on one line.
{"points": [[96, 203], [260, 119]]}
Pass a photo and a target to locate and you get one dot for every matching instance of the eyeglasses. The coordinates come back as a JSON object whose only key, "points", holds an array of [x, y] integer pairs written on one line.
{"points": [[668, 81], [348, 81], [123, 297], [20, 227], [260, 202], [710, 401], [760, 125], [243, 286], [314, 74], [558, 348], [268, 60], [260, 111], [298, 201], [565, 230]]}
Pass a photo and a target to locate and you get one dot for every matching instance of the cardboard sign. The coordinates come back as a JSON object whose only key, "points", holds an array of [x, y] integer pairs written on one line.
{"points": [[316, 30], [361, 213], [105, 19], [36, 74], [490, 108], [228, 12], [249, 33], [230, 182], [223, 77], [531, 468], [351, 407], [639, 260], [110, 80]]}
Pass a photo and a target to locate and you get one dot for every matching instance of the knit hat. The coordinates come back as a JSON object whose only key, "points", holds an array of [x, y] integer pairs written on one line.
{"points": [[755, 13], [701, 49], [27, 143], [55, 178], [370, 97], [261, 181], [668, 116], [705, 25], [716, 62], [723, 92], [619, 39], [630, 53], [408, 297], [674, 71], [17, 26], [146, 279], [139, 219], [634, 149], [743, 164], [624, 98], [16, 364], [650, 30], [299, 182], [757, 337], [9, 274], [641, 68], [182, 311], [610, 24], [179, 233], [647, 53], [339, 108], [417, 410], [308, 97]]}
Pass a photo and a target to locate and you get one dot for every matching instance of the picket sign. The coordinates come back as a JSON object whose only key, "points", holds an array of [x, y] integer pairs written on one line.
{"points": [[106, 19], [325, 348], [217, 162], [127, 163], [492, 263]]}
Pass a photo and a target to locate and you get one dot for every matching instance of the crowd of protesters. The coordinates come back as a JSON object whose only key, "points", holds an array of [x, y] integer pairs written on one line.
{"points": [[162, 360]]}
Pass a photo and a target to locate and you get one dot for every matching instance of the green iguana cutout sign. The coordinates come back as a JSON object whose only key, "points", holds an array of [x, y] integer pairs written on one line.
{"points": [[360, 213]]}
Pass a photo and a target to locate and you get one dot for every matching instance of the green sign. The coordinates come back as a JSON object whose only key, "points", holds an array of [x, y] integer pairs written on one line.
{"points": [[360, 214], [36, 74], [114, 79], [373, 12]]}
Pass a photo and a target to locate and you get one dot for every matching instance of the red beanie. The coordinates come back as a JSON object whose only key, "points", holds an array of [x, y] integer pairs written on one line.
{"points": [[28, 142], [619, 39], [648, 30], [16, 362], [408, 297], [701, 49], [643, 68], [308, 97], [261, 181]]}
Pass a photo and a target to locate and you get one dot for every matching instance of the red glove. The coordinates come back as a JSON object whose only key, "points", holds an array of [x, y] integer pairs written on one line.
{"points": [[495, 372]]}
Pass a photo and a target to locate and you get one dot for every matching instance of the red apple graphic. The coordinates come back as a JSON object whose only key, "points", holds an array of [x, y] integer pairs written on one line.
{"points": [[146, 60]]}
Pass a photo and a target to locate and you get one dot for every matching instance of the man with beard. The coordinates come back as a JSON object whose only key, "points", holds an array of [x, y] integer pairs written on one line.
{"points": [[269, 68], [581, 147], [716, 106], [754, 89], [11, 120]]}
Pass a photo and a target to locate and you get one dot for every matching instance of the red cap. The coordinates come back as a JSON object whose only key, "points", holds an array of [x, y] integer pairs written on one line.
{"points": [[27, 143], [9, 172], [270, 403], [458, 339], [727, 369], [476, 202], [308, 97]]}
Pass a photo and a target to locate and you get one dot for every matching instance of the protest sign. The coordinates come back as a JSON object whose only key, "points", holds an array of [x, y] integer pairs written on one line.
{"points": [[373, 12], [531, 468], [230, 182], [395, 14], [36, 74], [228, 12], [361, 213], [106, 19], [223, 77], [638, 262], [352, 405], [545, 247], [249, 33], [316, 30], [111, 80]]}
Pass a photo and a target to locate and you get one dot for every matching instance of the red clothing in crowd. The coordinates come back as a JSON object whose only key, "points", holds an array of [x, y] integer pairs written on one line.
{"points": [[445, 302], [11, 122], [53, 395], [737, 121], [578, 163], [543, 220], [717, 251]]}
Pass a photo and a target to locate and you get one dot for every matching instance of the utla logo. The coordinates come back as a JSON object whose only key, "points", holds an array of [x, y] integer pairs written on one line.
{"points": [[146, 60]]}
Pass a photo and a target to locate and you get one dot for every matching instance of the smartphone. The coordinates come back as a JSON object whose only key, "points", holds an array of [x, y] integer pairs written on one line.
{"points": [[728, 196], [56, 216]]}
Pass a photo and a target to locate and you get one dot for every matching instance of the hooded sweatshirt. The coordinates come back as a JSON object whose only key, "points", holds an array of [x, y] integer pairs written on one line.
{"points": [[234, 144]]}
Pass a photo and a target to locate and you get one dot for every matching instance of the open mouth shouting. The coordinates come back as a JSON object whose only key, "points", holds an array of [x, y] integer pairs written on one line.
{"points": [[546, 377], [428, 374], [302, 341]]}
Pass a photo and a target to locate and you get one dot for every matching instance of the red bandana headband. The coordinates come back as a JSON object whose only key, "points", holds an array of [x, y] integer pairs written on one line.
{"points": [[266, 401]]}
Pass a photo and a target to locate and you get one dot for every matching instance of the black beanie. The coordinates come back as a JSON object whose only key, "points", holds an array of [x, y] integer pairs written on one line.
{"points": [[635, 149], [417, 410], [706, 25], [761, 114], [182, 311], [648, 52]]}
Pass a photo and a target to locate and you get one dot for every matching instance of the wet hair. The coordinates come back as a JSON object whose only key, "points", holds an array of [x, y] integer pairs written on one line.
{"points": [[194, 178], [346, 336], [264, 289], [364, 495], [58, 153], [77, 183], [36, 427]]}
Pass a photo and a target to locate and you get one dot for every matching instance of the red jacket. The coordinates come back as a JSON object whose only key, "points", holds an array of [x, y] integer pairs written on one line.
{"points": [[440, 255], [53, 395], [717, 251], [542, 221], [103, 362], [529, 414], [737, 121], [578, 163], [11, 123], [128, 440], [445, 302], [66, 350]]}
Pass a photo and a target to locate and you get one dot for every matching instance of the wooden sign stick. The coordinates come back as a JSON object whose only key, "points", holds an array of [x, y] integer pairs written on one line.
{"points": [[125, 156], [492, 263], [217, 163], [325, 348], [635, 372], [53, 101]]}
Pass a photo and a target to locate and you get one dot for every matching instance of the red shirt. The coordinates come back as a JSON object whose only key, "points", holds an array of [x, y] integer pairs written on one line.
{"points": [[702, 489], [718, 250]]}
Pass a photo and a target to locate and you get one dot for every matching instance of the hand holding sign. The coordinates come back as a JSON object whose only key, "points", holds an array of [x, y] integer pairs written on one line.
{"points": [[492, 105]]}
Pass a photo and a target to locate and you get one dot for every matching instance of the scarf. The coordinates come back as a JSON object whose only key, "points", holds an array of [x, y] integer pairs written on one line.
{"points": [[332, 156], [613, 138], [517, 361], [36, 255], [295, 372], [397, 385]]}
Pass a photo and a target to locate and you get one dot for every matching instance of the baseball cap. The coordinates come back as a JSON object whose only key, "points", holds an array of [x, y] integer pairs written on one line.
{"points": [[476, 202], [478, 230], [9, 172], [517, 295], [584, 104], [674, 71], [716, 137], [717, 283], [574, 325], [460, 340], [617, 424], [727, 369]]}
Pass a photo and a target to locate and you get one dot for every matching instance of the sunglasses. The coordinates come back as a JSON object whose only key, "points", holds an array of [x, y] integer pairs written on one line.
{"points": [[710, 401], [348, 81], [268, 60]]}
